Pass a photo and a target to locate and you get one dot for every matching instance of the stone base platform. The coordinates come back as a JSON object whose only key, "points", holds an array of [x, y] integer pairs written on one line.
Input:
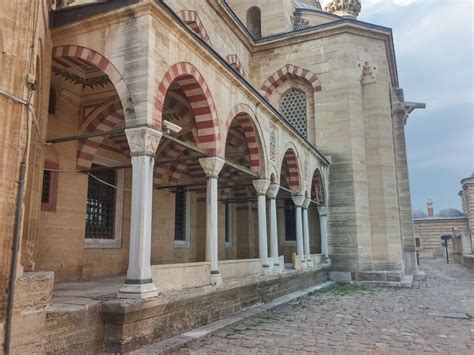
{"points": [[132, 324], [86, 317]]}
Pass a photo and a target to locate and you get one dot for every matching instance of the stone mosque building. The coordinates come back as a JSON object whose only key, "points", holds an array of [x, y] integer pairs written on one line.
{"points": [[168, 163], [430, 226]]}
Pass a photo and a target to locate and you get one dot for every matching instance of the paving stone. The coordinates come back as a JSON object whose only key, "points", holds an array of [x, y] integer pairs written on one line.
{"points": [[433, 316]]}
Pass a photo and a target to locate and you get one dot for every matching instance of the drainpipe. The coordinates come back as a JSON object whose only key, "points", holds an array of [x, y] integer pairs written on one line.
{"points": [[15, 248]]}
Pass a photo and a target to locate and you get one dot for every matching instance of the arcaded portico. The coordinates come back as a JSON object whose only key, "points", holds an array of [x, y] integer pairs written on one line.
{"points": [[207, 155]]}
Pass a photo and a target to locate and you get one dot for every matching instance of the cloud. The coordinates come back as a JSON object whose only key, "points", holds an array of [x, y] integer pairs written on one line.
{"points": [[403, 2], [367, 4]]}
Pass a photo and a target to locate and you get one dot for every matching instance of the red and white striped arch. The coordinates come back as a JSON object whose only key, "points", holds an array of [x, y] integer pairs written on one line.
{"points": [[72, 55], [109, 118], [200, 100], [293, 177], [285, 73], [317, 188], [246, 119], [234, 61], [192, 19]]}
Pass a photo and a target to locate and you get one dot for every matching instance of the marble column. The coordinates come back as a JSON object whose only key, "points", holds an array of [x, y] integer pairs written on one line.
{"points": [[261, 186], [212, 166], [272, 194], [298, 200], [307, 251], [143, 143], [323, 213]]}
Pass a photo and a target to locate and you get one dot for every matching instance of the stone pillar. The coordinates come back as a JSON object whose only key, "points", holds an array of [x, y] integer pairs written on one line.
{"points": [[272, 194], [143, 143], [307, 251], [401, 162], [298, 201], [323, 222], [262, 186], [212, 167]]}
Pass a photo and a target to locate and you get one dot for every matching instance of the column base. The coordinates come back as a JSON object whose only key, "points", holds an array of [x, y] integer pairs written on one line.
{"points": [[138, 291], [215, 278], [309, 262], [277, 268], [303, 264], [266, 269]]}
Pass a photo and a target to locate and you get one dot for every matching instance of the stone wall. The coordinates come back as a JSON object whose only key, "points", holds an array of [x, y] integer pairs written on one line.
{"points": [[430, 230]]}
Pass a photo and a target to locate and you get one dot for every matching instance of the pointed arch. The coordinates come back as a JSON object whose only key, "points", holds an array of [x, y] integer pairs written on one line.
{"points": [[317, 188], [202, 104], [69, 55], [292, 176], [286, 72], [235, 63], [246, 118], [105, 120], [192, 19]]}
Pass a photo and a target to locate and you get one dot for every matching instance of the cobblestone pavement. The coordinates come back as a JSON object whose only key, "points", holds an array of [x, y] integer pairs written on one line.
{"points": [[436, 315]]}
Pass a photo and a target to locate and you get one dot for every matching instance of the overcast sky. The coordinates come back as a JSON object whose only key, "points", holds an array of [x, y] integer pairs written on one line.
{"points": [[434, 48]]}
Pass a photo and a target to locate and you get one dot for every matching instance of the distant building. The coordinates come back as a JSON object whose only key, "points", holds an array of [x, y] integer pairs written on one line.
{"points": [[430, 226]]}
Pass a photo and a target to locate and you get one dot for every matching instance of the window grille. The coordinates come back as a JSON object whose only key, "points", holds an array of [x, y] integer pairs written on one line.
{"points": [[293, 108], [100, 214], [299, 23], [290, 221], [180, 216], [45, 193]]}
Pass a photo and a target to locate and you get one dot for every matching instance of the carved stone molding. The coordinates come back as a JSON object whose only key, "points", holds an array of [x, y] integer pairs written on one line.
{"points": [[273, 145], [344, 8], [212, 166], [306, 203], [261, 186], [323, 211], [298, 200], [272, 191], [143, 140], [369, 74]]}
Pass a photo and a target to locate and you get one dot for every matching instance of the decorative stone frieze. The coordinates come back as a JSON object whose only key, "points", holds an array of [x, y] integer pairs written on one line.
{"points": [[273, 145], [272, 191], [212, 166], [261, 186], [344, 8], [143, 140]]}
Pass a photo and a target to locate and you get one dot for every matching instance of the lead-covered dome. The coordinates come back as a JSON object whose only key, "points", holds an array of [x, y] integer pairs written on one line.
{"points": [[449, 212], [419, 214]]}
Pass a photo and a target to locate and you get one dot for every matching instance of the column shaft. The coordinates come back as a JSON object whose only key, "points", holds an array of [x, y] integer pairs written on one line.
{"points": [[299, 235], [211, 225], [324, 235], [307, 251], [273, 232], [262, 231], [143, 143]]}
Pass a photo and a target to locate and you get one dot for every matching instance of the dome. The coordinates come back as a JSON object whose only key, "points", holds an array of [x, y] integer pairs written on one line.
{"points": [[419, 214], [449, 212]]}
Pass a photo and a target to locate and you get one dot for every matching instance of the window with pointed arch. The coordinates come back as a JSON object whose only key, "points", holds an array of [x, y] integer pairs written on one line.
{"points": [[294, 108]]}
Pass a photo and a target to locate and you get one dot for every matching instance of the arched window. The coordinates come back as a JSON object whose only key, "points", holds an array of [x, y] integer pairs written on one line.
{"points": [[293, 108], [254, 21]]}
